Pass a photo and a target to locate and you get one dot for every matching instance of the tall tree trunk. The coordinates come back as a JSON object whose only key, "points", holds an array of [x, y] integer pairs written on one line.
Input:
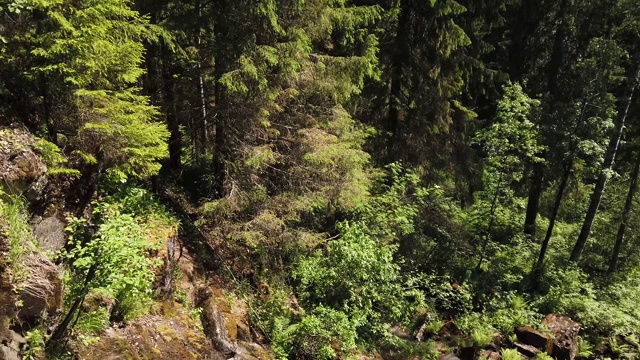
{"points": [[555, 62], [552, 219], [395, 89], [220, 156], [173, 122], [527, 20], [492, 212], [533, 202], [598, 191], [613, 263], [201, 90]]}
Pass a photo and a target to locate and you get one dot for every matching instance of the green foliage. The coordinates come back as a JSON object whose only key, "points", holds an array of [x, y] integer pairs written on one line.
{"points": [[92, 54], [543, 356], [14, 225], [447, 300], [119, 252], [513, 137], [54, 159], [397, 197], [585, 349], [427, 350], [290, 117], [510, 354], [93, 322], [356, 275], [34, 348], [482, 336], [133, 199], [325, 334], [518, 313], [272, 315], [600, 309]]}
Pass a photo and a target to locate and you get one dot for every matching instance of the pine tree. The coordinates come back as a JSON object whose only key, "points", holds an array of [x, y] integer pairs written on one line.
{"points": [[86, 61]]}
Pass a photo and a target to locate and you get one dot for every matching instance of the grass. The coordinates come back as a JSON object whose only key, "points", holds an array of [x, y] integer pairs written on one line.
{"points": [[15, 227]]}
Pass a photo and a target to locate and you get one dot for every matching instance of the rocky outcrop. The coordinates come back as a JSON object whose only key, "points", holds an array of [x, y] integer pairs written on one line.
{"points": [[527, 350], [49, 232], [219, 329], [532, 337], [565, 336], [562, 343], [42, 290], [489, 355], [227, 328], [7, 297], [449, 334], [22, 171], [10, 347]]}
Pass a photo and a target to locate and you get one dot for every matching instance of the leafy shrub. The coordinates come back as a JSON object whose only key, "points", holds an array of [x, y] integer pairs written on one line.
{"points": [[356, 275], [118, 252], [34, 348], [443, 297], [324, 334], [408, 349], [517, 313], [482, 336], [271, 313], [570, 292], [479, 327], [391, 212]]}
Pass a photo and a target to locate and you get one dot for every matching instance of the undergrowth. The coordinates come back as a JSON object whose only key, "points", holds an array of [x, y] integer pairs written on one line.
{"points": [[15, 227]]}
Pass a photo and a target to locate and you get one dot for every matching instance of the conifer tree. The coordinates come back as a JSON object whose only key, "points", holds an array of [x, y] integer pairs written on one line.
{"points": [[86, 63]]}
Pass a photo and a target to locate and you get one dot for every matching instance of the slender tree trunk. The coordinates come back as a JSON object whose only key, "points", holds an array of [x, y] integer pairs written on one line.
{"points": [[554, 215], [220, 156], [527, 20], [173, 123], [201, 90], [58, 333], [492, 211], [598, 191], [395, 89], [533, 202], [613, 263], [150, 83], [555, 62]]}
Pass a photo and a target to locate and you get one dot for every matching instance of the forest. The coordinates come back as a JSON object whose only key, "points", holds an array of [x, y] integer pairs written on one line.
{"points": [[319, 179]]}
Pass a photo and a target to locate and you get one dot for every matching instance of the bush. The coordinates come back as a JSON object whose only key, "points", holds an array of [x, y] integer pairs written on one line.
{"points": [[324, 334], [118, 252], [448, 301], [34, 348], [356, 275]]}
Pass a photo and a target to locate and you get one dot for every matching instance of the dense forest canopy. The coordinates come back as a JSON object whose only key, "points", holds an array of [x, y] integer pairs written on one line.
{"points": [[370, 163]]}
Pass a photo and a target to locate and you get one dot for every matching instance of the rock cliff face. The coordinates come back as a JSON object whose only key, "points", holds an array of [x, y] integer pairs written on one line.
{"points": [[32, 289], [41, 292], [7, 299], [22, 171]]}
